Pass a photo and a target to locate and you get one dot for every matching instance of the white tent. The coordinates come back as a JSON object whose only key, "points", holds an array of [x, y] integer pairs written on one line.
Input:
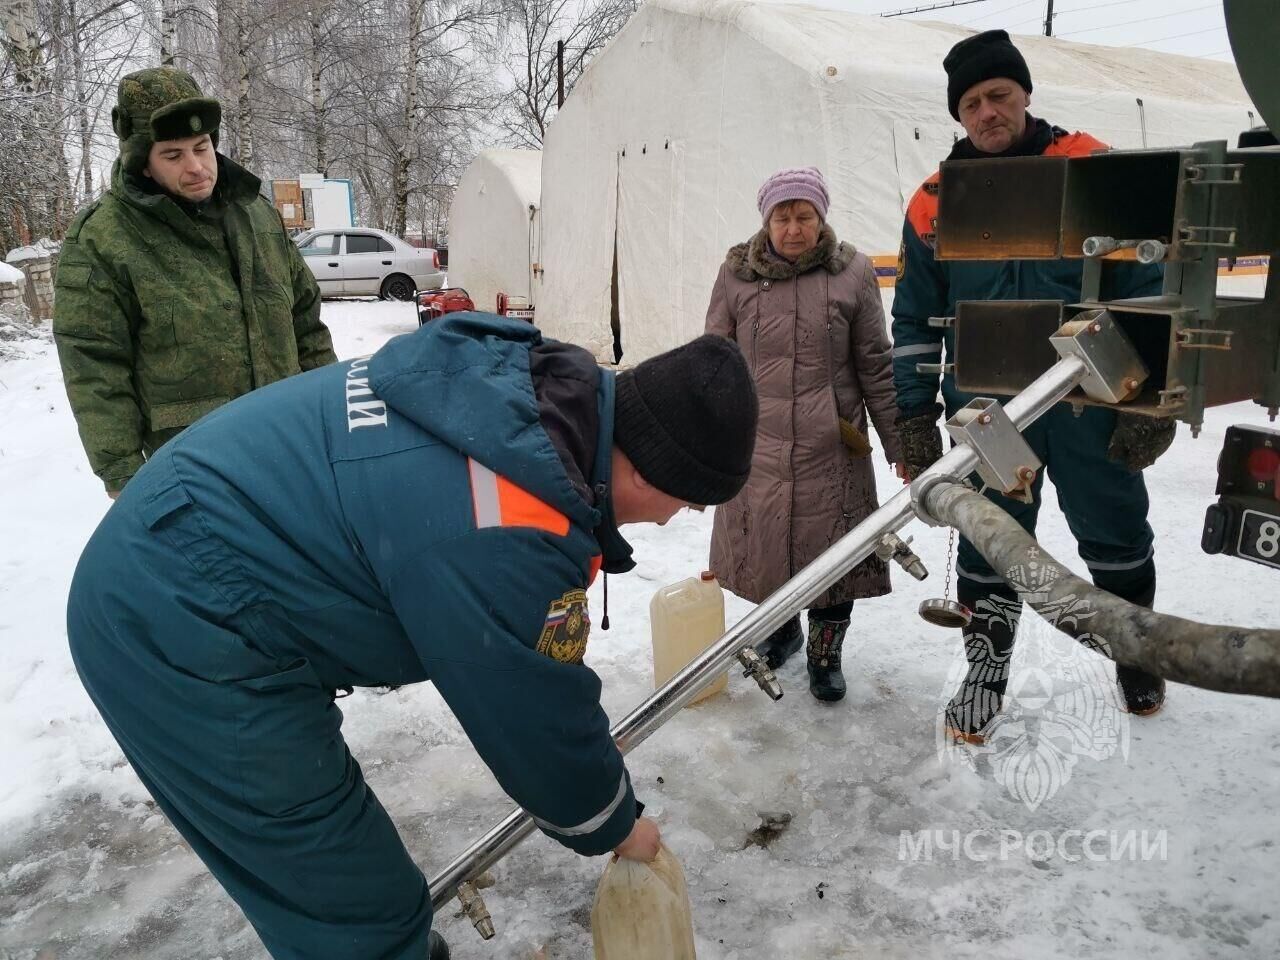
{"points": [[493, 226], [665, 140]]}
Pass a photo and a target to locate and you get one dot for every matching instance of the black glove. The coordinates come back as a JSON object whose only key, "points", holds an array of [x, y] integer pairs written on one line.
{"points": [[1138, 441], [921, 438]]}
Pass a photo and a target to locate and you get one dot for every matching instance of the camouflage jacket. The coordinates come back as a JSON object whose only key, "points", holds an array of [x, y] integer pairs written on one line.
{"points": [[161, 314]]}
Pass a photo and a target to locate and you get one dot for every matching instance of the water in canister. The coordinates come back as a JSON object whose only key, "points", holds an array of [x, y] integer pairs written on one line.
{"points": [[686, 618], [641, 911]]}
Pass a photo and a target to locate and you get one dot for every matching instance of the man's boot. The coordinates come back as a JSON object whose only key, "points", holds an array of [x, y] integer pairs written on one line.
{"points": [[776, 648], [1142, 692], [826, 637], [437, 949], [988, 647]]}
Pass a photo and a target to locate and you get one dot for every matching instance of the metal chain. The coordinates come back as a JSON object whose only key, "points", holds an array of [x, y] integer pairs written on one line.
{"points": [[946, 586]]}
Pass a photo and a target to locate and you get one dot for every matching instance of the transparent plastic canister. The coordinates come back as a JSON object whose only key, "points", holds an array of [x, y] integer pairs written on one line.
{"points": [[642, 912], [686, 618]]}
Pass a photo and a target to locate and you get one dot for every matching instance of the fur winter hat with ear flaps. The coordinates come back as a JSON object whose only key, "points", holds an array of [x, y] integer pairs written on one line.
{"points": [[160, 103]]}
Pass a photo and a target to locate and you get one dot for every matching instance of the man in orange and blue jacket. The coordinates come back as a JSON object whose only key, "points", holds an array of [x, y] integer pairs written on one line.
{"points": [[433, 512], [1094, 457]]}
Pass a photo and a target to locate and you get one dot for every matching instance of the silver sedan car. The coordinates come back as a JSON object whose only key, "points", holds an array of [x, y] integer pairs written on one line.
{"points": [[363, 262]]}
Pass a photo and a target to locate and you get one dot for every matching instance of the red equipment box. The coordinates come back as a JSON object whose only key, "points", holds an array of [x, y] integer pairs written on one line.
{"points": [[434, 304]]}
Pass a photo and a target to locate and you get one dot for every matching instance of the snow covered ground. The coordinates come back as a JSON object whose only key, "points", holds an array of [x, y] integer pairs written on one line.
{"points": [[1148, 838]]}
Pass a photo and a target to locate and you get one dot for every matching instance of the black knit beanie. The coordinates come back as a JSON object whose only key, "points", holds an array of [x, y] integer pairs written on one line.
{"points": [[984, 56], [686, 419]]}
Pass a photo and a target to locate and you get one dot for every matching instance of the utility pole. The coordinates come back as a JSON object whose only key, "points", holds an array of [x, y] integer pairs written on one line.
{"points": [[559, 74], [1048, 20]]}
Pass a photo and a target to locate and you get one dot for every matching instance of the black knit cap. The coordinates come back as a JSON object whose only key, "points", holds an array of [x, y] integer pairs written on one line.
{"points": [[686, 419], [984, 56]]}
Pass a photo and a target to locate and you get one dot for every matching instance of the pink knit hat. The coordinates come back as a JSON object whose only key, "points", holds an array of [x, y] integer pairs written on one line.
{"points": [[794, 183]]}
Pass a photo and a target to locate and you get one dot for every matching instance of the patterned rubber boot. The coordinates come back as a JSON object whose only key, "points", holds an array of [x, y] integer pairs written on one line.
{"points": [[988, 647], [826, 637], [437, 949], [778, 647]]}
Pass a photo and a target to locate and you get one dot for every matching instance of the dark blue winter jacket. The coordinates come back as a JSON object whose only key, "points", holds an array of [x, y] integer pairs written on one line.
{"points": [[433, 512]]}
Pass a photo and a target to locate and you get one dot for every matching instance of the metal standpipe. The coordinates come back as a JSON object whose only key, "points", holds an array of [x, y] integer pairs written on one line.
{"points": [[796, 594]]}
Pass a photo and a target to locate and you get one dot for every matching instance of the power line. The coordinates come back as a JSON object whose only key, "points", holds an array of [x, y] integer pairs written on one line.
{"points": [[1063, 13], [1176, 36], [1025, 3], [1129, 23], [932, 6], [1096, 6]]}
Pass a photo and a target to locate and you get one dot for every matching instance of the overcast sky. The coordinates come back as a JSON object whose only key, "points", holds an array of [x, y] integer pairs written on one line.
{"points": [[1190, 27]]}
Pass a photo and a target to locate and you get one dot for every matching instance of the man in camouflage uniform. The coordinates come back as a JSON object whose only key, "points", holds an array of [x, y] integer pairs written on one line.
{"points": [[178, 290]]}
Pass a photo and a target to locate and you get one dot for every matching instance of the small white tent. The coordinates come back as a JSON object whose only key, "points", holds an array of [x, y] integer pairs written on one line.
{"points": [[493, 226], [654, 162]]}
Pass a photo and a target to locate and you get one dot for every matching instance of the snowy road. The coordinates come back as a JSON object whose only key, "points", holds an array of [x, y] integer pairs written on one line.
{"points": [[1150, 838]]}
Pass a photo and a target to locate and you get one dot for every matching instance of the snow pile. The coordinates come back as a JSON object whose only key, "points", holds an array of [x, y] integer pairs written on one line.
{"points": [[15, 317], [896, 847], [40, 250], [22, 254]]}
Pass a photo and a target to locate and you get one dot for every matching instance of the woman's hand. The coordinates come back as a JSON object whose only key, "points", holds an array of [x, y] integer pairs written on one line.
{"points": [[901, 470], [643, 842]]}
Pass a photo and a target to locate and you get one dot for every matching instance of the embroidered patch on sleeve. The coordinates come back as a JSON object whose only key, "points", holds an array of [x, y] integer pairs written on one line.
{"points": [[565, 631], [902, 260]]}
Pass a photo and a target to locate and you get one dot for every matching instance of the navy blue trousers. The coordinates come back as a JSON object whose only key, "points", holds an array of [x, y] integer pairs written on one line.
{"points": [[241, 748], [1105, 505]]}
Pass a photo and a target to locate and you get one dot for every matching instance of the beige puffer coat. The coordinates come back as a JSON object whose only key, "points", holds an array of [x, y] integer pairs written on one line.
{"points": [[813, 333]]}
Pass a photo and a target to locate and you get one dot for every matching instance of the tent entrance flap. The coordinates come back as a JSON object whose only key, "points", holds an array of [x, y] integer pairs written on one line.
{"points": [[615, 317], [534, 253], [650, 244]]}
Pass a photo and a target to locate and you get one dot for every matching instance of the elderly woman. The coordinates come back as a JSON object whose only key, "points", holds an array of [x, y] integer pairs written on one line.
{"points": [[805, 308]]}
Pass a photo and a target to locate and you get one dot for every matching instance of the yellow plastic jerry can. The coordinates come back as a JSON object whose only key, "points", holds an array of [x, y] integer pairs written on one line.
{"points": [[686, 618], [641, 911]]}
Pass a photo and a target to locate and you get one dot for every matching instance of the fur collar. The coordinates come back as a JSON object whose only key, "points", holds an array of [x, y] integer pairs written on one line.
{"points": [[751, 261]]}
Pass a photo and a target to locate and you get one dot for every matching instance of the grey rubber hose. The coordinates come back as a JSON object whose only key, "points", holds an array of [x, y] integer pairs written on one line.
{"points": [[1225, 658]]}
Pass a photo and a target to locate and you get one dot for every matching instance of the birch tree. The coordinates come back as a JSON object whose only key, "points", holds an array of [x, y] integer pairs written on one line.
{"points": [[533, 31]]}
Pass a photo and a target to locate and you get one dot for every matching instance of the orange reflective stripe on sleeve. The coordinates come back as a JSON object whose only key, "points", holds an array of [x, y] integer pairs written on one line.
{"points": [[497, 502]]}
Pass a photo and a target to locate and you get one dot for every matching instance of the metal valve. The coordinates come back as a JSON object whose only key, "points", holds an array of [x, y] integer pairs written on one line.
{"points": [[893, 547], [1100, 246], [759, 671], [473, 906], [1152, 251]]}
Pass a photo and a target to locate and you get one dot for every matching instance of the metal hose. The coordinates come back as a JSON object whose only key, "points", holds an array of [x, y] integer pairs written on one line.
{"points": [[1224, 658]]}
